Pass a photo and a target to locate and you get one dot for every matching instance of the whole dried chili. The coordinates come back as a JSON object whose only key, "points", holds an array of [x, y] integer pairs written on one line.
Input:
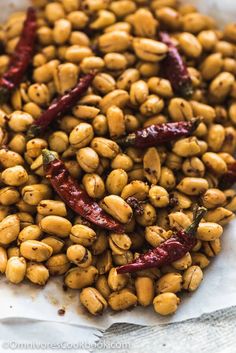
{"points": [[60, 106], [175, 68], [229, 178], [171, 250], [160, 133], [21, 57], [75, 197]]}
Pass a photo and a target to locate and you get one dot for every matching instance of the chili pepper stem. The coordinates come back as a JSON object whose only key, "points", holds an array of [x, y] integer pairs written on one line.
{"points": [[195, 123], [48, 156], [33, 132], [128, 140], [187, 90], [4, 95], [199, 214]]}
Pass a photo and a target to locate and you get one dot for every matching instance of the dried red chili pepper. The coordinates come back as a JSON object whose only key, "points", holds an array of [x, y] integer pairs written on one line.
{"points": [[21, 57], [75, 197], [229, 178], [161, 133], [60, 106], [175, 68], [171, 250]]}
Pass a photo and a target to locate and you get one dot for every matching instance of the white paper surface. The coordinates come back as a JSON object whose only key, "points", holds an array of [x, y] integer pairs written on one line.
{"points": [[217, 291]]}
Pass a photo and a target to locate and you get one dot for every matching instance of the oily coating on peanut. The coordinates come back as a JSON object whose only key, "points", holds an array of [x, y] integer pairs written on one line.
{"points": [[120, 42]]}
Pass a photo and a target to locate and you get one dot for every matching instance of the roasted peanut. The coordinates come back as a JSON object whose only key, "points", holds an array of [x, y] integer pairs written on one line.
{"points": [[104, 262], [9, 229], [83, 235], [148, 217], [81, 135], [193, 186], [137, 189], [192, 278], [51, 207], [122, 300], [14, 176], [118, 208], [94, 185], [35, 193], [187, 147], [214, 162], [216, 137], [160, 86], [115, 121], [79, 255], [78, 278], [102, 286], [104, 147], [152, 165], [16, 269], [166, 303], [171, 282], [9, 196], [119, 243], [221, 86], [56, 243], [179, 220], [213, 198], [209, 231], [88, 159], [117, 97], [180, 109], [212, 248], [149, 49], [32, 232], [35, 250], [211, 66], [193, 167], [200, 260], [167, 179], [117, 281], [56, 225], [153, 105], [156, 235], [116, 181], [104, 83], [3, 260], [93, 300], [37, 273], [183, 263], [115, 41], [145, 290], [138, 92], [58, 264], [219, 215], [190, 45]]}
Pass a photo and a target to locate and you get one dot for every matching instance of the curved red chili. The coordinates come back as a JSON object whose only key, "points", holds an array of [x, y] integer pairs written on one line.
{"points": [[171, 250], [21, 57], [175, 68], [75, 197], [161, 133], [60, 106]]}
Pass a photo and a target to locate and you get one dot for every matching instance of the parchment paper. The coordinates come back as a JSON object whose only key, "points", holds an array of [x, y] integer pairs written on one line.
{"points": [[217, 291]]}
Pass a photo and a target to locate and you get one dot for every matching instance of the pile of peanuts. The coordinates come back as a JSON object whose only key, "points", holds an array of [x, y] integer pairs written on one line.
{"points": [[40, 236]]}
